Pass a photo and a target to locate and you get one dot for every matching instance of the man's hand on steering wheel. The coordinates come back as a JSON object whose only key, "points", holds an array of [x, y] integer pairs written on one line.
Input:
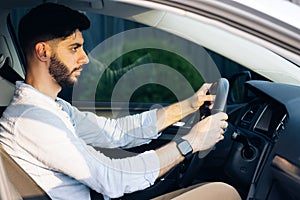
{"points": [[202, 96], [207, 132], [216, 92]]}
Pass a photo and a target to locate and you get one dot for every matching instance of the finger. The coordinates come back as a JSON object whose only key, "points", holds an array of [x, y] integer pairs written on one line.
{"points": [[224, 124], [209, 97], [221, 137], [222, 131], [221, 116], [205, 87]]}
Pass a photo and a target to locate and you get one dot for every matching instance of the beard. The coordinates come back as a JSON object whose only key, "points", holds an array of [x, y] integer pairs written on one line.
{"points": [[61, 73]]}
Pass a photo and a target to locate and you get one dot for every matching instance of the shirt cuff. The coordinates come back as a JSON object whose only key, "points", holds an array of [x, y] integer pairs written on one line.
{"points": [[152, 167], [149, 119]]}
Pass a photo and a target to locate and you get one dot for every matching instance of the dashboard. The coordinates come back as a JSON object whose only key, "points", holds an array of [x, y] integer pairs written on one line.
{"points": [[259, 155], [265, 118], [265, 154]]}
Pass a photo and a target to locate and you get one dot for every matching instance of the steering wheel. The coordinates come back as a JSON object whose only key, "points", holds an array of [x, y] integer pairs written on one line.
{"points": [[220, 89]]}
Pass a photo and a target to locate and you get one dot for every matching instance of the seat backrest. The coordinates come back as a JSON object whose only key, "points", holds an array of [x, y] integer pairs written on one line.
{"points": [[14, 180], [21, 181], [7, 190]]}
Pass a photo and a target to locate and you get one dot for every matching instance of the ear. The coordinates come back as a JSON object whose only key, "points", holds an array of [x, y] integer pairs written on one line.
{"points": [[42, 51]]}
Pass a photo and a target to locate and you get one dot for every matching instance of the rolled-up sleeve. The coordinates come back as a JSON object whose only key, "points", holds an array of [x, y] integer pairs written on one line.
{"points": [[127, 175], [129, 131]]}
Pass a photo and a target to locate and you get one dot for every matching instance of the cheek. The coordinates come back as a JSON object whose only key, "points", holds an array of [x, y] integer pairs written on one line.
{"points": [[69, 61], [65, 55]]}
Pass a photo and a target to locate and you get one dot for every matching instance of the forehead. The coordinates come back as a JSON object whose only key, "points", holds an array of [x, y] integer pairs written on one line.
{"points": [[75, 37]]}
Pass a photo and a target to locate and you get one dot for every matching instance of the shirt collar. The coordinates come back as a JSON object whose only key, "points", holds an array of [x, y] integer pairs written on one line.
{"points": [[27, 91]]}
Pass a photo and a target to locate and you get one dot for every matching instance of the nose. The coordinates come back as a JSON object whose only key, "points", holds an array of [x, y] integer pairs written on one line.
{"points": [[84, 59]]}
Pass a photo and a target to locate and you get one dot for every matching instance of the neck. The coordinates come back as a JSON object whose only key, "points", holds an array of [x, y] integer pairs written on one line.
{"points": [[39, 78]]}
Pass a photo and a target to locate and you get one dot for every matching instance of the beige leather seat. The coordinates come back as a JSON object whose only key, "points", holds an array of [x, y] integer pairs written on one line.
{"points": [[15, 182]]}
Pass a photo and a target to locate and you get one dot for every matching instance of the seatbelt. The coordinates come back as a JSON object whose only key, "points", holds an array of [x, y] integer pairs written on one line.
{"points": [[8, 73], [22, 182]]}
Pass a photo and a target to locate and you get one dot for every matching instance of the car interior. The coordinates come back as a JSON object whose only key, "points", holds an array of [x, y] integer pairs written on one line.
{"points": [[259, 155]]}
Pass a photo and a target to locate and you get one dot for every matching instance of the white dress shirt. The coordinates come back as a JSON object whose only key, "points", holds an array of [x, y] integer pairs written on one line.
{"points": [[52, 141]]}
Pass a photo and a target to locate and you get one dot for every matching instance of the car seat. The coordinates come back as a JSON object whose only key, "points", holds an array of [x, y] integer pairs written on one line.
{"points": [[15, 183]]}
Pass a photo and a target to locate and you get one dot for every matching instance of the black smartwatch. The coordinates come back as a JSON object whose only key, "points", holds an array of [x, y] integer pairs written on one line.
{"points": [[184, 147]]}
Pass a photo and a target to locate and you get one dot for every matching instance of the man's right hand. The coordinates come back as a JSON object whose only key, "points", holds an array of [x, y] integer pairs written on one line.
{"points": [[204, 135]]}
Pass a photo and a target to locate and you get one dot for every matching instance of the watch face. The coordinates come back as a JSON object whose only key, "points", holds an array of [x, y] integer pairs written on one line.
{"points": [[185, 147]]}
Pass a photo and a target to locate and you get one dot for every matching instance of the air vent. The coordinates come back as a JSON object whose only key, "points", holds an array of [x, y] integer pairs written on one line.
{"points": [[263, 123], [250, 114], [280, 127]]}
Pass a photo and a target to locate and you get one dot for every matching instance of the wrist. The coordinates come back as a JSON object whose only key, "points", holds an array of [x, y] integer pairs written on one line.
{"points": [[191, 142], [194, 103], [184, 147]]}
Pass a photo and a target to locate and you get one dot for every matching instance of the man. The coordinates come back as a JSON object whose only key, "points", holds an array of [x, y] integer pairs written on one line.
{"points": [[53, 141]]}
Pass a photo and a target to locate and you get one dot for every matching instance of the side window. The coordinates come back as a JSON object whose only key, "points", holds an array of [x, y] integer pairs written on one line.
{"points": [[145, 75], [136, 63], [130, 62]]}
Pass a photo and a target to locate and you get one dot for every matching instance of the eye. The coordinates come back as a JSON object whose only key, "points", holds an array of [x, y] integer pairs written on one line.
{"points": [[74, 49]]}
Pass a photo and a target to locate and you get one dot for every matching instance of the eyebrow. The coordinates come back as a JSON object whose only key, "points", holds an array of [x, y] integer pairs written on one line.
{"points": [[76, 45]]}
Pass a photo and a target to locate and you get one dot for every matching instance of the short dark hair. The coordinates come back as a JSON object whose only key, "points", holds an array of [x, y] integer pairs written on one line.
{"points": [[49, 21]]}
